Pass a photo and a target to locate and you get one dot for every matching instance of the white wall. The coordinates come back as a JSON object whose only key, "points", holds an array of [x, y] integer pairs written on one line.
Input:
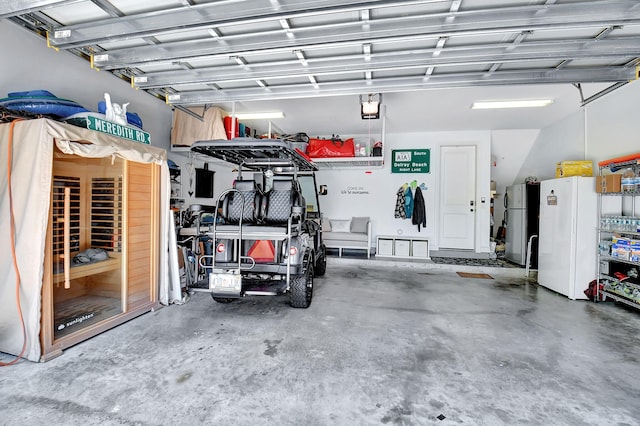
{"points": [[563, 140], [28, 64], [372, 192], [613, 124]]}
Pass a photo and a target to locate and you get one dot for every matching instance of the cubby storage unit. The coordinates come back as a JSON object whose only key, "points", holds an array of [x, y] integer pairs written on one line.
{"points": [[402, 247], [93, 251], [619, 230]]}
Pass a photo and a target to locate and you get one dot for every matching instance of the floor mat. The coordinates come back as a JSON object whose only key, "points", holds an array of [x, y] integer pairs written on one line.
{"points": [[473, 275], [496, 263]]}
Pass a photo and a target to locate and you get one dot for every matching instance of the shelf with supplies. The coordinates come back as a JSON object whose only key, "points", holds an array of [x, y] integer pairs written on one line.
{"points": [[402, 247], [348, 162], [358, 151], [618, 187]]}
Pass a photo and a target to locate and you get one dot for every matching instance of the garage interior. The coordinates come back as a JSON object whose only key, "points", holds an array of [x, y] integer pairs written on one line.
{"points": [[391, 341]]}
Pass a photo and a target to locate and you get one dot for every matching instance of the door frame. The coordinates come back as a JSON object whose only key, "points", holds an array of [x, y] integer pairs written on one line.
{"points": [[482, 142], [471, 221]]}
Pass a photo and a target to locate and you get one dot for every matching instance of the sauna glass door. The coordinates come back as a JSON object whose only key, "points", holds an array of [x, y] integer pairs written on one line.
{"points": [[86, 238]]}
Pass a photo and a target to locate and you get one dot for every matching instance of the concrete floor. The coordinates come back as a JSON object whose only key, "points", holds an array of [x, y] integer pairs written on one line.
{"points": [[382, 343]]}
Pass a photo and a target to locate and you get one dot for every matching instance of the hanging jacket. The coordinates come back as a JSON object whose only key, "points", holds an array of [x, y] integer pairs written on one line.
{"points": [[419, 212], [408, 203], [400, 213]]}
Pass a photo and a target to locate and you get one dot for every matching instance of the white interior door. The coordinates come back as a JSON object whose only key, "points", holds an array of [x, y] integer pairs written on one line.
{"points": [[457, 197]]}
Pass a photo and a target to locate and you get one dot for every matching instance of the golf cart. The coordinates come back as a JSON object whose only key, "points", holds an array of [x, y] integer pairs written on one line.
{"points": [[267, 238]]}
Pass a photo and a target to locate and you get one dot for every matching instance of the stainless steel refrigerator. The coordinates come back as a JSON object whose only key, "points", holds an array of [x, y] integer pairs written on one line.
{"points": [[522, 204]]}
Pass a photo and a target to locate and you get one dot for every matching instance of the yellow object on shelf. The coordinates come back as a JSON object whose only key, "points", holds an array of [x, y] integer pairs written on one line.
{"points": [[574, 168]]}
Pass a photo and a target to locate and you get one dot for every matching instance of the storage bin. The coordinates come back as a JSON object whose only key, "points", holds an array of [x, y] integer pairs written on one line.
{"points": [[574, 168], [402, 248], [362, 147], [385, 247], [420, 249]]}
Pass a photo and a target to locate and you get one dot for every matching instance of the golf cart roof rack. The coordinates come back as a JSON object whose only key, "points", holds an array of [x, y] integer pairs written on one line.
{"points": [[256, 154]]}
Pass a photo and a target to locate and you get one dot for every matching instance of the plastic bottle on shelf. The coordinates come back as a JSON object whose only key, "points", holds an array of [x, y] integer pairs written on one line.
{"points": [[628, 180]]}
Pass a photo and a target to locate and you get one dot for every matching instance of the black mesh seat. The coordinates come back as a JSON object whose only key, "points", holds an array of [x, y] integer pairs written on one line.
{"points": [[279, 202], [248, 195]]}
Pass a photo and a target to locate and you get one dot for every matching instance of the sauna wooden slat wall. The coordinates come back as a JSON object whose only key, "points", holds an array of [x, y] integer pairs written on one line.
{"points": [[142, 232]]}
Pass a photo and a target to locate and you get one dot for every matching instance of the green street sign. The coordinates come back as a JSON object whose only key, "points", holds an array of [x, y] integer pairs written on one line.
{"points": [[116, 129], [410, 160]]}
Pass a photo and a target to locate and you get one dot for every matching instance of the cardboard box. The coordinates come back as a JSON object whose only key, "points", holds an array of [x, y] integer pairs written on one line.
{"points": [[574, 168], [621, 248], [609, 183]]}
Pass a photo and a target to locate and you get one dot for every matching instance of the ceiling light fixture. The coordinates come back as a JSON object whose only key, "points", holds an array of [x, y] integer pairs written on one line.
{"points": [[259, 115], [521, 103], [370, 107]]}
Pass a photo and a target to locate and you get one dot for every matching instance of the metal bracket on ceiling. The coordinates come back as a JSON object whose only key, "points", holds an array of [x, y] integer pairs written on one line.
{"points": [[579, 87], [188, 111], [604, 92]]}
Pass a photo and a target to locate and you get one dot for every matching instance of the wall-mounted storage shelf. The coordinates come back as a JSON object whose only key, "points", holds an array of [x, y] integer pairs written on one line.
{"points": [[348, 162]]}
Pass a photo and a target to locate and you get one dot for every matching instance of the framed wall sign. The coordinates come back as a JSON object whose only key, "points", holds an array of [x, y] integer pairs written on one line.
{"points": [[410, 160]]}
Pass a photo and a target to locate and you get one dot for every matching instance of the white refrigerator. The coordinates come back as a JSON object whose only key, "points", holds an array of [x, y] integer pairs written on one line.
{"points": [[568, 236]]}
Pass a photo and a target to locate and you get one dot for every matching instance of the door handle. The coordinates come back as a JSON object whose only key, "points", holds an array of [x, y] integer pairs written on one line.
{"points": [[471, 203]]}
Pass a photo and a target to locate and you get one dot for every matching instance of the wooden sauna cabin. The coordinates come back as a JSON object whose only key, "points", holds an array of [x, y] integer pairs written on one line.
{"points": [[89, 233]]}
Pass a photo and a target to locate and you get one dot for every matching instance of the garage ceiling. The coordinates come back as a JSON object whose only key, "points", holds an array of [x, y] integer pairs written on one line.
{"points": [[192, 52]]}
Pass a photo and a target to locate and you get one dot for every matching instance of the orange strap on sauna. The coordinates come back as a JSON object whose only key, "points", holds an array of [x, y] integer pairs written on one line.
{"points": [[13, 249]]}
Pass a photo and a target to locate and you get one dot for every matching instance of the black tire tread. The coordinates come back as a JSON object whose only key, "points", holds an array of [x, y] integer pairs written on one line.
{"points": [[321, 265], [299, 294]]}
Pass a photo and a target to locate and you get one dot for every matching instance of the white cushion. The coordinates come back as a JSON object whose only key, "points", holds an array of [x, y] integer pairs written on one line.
{"points": [[340, 225], [345, 236], [359, 224]]}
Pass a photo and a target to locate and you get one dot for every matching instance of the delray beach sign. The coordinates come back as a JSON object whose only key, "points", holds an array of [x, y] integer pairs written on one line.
{"points": [[115, 129]]}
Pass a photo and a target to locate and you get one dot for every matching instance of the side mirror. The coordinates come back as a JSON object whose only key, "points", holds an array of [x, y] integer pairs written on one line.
{"points": [[323, 190]]}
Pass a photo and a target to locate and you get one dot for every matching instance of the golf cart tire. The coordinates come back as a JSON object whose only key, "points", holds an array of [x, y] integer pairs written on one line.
{"points": [[321, 264], [222, 299], [301, 289]]}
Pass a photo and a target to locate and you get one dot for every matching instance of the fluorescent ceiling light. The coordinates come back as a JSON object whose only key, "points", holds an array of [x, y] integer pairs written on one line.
{"points": [[259, 115], [523, 103]]}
